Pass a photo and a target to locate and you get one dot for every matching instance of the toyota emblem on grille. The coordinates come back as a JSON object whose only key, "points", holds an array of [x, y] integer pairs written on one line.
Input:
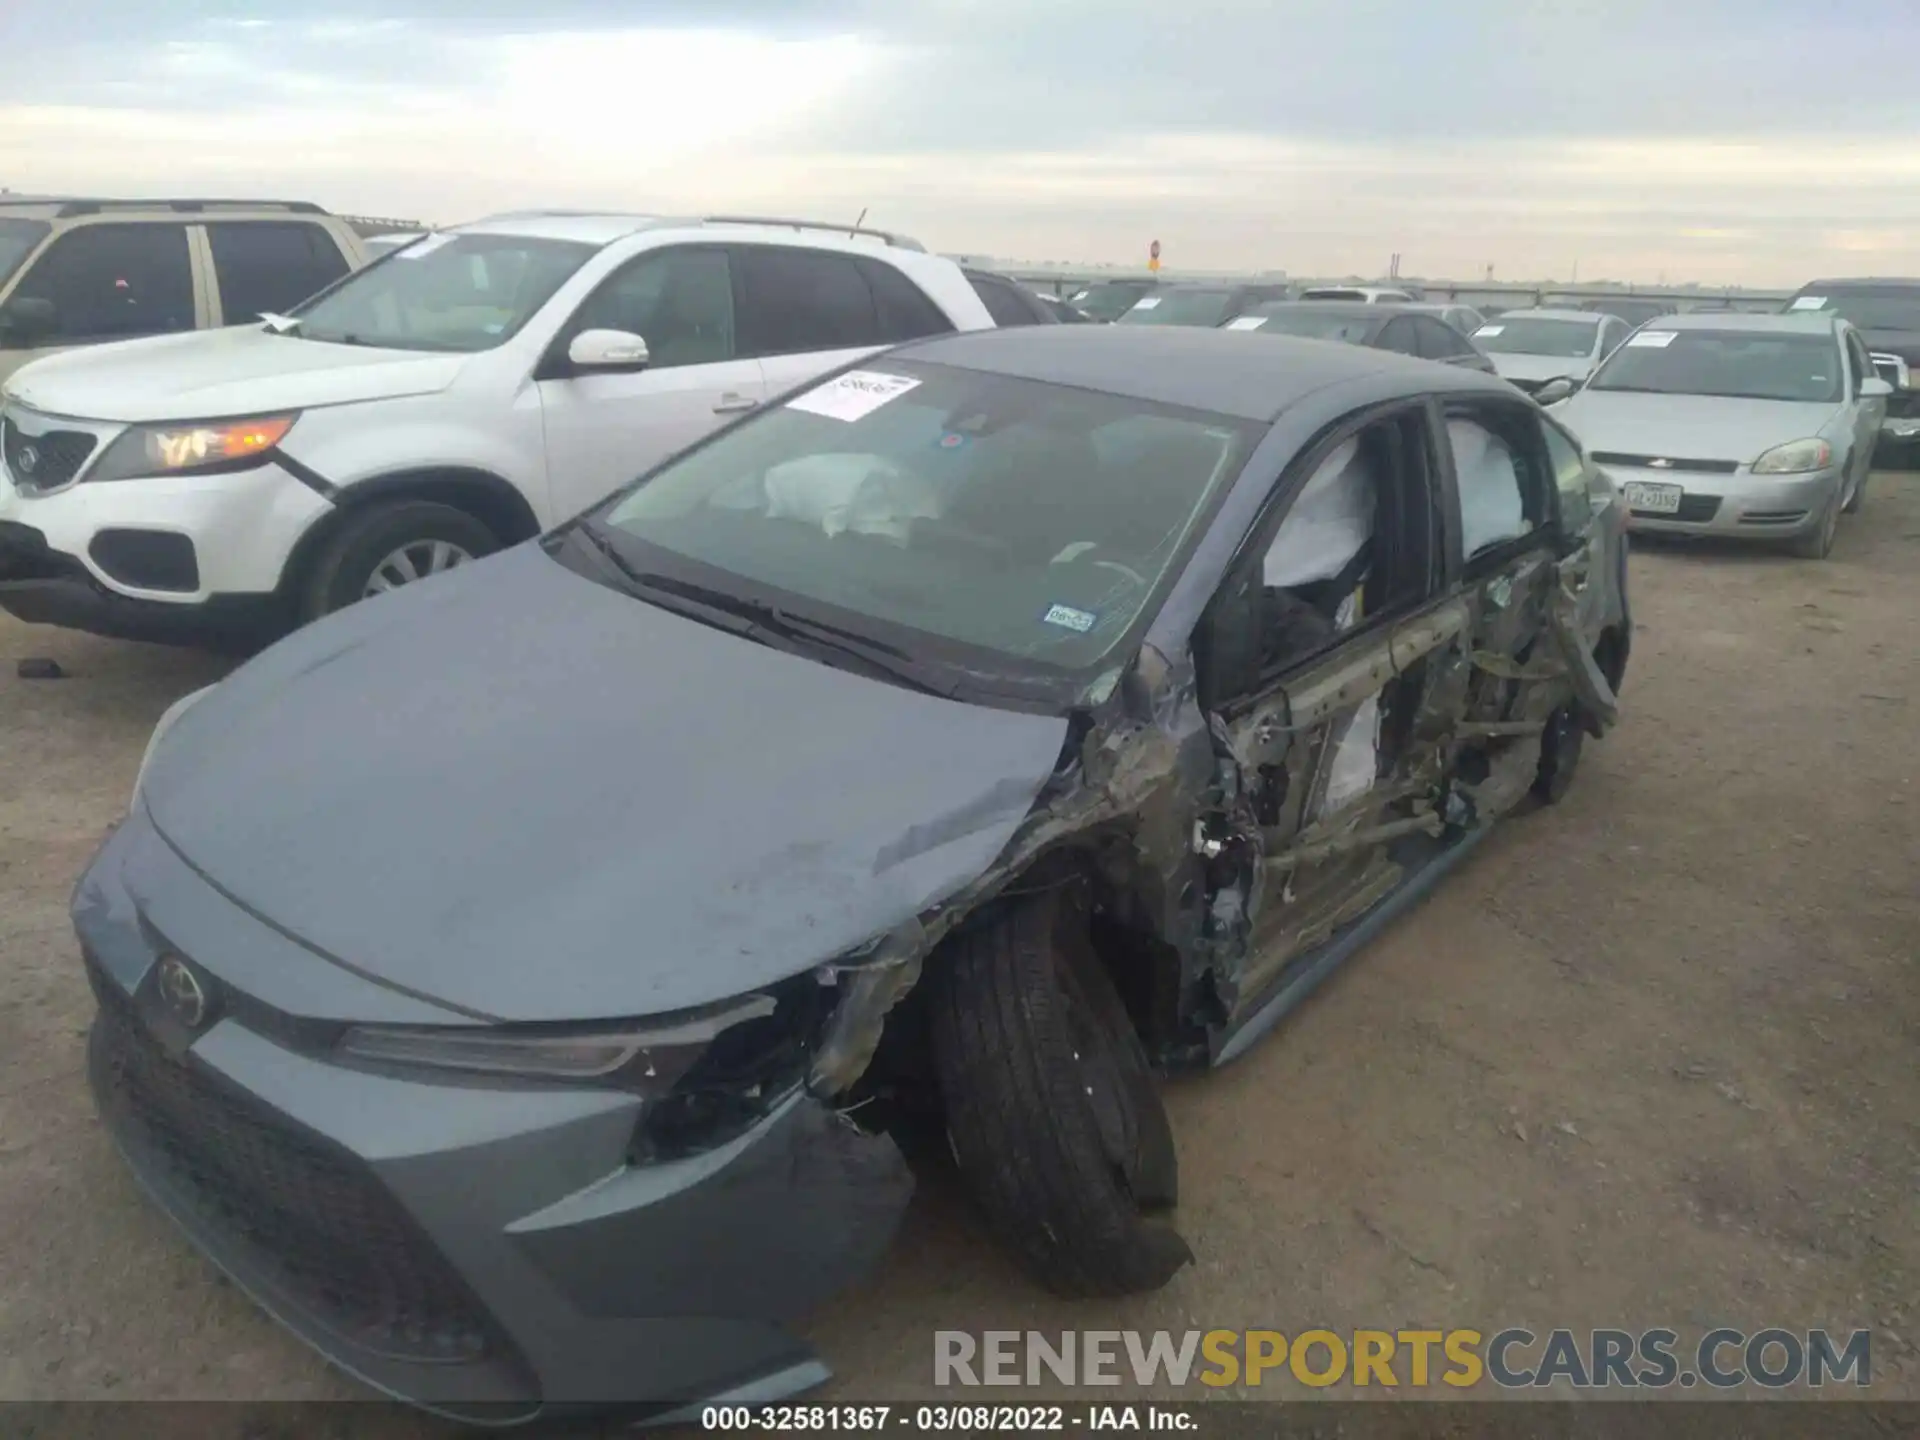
{"points": [[185, 996], [1659, 464], [29, 459]]}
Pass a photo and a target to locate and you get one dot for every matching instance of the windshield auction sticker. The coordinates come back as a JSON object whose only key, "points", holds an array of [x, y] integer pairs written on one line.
{"points": [[1652, 339], [852, 395]]}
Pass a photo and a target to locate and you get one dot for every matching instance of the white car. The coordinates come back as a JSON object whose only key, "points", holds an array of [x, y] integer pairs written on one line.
{"points": [[458, 395]]}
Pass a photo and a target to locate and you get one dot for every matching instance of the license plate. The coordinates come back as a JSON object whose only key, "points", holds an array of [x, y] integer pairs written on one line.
{"points": [[1658, 499]]}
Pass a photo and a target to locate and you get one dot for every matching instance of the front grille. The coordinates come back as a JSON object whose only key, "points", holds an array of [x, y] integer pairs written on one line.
{"points": [[1773, 517], [306, 1211], [42, 462], [1694, 510], [1668, 462]]}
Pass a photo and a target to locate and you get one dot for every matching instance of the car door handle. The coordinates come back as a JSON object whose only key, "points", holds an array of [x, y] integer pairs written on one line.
{"points": [[734, 404]]}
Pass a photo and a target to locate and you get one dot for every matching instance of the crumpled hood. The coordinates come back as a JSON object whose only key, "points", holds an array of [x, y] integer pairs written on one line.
{"points": [[517, 792], [1692, 427], [216, 374], [1538, 367]]}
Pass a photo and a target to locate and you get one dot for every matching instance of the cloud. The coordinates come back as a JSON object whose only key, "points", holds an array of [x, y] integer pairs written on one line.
{"points": [[1630, 136]]}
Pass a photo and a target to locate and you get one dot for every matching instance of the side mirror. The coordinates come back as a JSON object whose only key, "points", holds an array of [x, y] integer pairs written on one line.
{"points": [[613, 350], [1874, 388], [27, 320], [1554, 391]]}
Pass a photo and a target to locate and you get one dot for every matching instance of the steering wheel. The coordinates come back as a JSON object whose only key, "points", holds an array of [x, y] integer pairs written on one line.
{"points": [[1085, 552]]}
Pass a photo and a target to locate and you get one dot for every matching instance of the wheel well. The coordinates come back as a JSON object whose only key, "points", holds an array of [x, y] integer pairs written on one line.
{"points": [[494, 502]]}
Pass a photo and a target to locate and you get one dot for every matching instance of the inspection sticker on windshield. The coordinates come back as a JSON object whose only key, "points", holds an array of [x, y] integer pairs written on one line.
{"points": [[849, 396], [1809, 302], [1070, 618], [1247, 322], [1489, 330], [423, 247], [1653, 339], [1148, 303]]}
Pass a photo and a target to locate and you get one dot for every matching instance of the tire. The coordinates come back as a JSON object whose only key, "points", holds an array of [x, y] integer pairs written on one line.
{"points": [[1052, 1111], [1561, 745], [345, 569], [1817, 544]]}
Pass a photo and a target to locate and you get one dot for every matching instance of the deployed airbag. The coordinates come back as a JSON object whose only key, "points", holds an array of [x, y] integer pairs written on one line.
{"points": [[1329, 522]]}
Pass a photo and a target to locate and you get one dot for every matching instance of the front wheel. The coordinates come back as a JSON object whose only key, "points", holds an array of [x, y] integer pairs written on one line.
{"points": [[1817, 543], [388, 546], [1052, 1111]]}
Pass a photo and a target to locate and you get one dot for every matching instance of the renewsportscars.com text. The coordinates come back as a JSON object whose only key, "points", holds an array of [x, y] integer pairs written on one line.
{"points": [[1514, 1358]]}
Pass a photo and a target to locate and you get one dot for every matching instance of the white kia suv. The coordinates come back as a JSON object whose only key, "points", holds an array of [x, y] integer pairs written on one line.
{"points": [[460, 394]]}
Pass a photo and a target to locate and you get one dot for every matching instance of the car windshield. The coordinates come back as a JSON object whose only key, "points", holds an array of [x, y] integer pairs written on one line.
{"points": [[1868, 309], [444, 292], [1526, 335], [17, 241], [1751, 365], [1309, 324], [1107, 301], [1180, 307], [971, 521]]}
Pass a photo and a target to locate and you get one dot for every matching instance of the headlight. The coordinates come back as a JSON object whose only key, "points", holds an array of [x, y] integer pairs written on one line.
{"points": [[649, 1056], [198, 447], [703, 1077], [1796, 457], [160, 727]]}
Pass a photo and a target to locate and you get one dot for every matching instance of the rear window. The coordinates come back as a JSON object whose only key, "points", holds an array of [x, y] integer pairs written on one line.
{"points": [[1180, 307], [1333, 294], [1748, 365], [1351, 329], [1520, 335]]}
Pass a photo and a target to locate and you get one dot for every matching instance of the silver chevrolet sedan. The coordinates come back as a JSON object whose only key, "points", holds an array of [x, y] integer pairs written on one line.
{"points": [[1752, 426]]}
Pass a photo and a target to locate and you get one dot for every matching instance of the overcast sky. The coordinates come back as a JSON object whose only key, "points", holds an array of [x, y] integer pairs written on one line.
{"points": [[1744, 141]]}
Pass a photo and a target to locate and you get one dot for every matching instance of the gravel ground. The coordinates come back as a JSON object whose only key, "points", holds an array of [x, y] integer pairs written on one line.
{"points": [[1649, 1059]]}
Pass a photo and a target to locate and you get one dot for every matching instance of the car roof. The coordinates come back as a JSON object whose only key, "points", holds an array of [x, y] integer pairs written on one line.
{"points": [[1796, 322], [1245, 375], [1888, 282], [593, 228]]}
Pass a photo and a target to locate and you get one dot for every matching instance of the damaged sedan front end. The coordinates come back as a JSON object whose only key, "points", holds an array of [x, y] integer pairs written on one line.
{"points": [[970, 736]]}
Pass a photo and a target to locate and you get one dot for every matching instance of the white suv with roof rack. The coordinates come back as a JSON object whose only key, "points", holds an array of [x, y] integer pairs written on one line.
{"points": [[456, 396]]}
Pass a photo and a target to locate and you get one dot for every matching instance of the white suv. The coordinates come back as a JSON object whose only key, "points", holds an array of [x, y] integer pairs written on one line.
{"points": [[461, 394]]}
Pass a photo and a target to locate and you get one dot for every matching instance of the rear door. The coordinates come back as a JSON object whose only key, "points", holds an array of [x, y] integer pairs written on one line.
{"points": [[263, 267], [111, 281], [603, 429], [1527, 576]]}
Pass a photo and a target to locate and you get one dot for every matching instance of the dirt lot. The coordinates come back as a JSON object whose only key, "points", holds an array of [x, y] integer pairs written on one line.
{"points": [[1649, 1060]]}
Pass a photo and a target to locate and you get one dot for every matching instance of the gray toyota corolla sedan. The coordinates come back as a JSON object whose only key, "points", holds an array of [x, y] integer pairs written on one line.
{"points": [[1754, 427], [520, 984]]}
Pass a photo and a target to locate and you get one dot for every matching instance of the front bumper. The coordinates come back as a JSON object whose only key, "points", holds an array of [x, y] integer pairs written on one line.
{"points": [[42, 586], [139, 548], [483, 1251], [1740, 506]]}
